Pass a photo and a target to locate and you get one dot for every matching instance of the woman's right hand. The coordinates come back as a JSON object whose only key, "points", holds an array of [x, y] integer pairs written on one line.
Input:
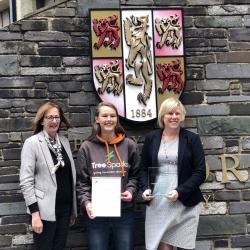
{"points": [[89, 210], [147, 195], [36, 223]]}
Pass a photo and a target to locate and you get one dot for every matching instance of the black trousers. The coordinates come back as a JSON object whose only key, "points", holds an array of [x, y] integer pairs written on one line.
{"points": [[54, 233]]}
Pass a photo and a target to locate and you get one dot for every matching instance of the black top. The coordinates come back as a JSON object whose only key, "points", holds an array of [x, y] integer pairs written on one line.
{"points": [[191, 164], [64, 183]]}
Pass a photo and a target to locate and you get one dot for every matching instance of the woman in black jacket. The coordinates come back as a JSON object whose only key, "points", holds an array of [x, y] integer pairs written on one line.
{"points": [[173, 168]]}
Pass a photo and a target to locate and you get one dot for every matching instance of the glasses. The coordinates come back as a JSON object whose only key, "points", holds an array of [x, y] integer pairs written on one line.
{"points": [[51, 118]]}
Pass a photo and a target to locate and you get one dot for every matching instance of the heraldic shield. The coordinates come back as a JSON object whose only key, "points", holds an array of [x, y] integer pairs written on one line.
{"points": [[137, 59]]}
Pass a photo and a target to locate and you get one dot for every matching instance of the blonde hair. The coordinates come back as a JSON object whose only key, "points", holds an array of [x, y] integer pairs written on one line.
{"points": [[37, 123], [168, 105]]}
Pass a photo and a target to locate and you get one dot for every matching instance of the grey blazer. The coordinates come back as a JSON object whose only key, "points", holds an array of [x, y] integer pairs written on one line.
{"points": [[36, 181]]}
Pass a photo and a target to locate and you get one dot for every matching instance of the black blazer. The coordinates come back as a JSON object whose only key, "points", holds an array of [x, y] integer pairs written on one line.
{"points": [[191, 164]]}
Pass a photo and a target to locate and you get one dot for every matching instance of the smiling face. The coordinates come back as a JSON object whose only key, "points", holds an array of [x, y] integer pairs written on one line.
{"points": [[107, 119], [172, 119], [51, 121]]}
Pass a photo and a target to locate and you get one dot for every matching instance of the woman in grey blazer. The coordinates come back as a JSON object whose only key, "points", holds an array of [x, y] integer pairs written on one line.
{"points": [[47, 179]]}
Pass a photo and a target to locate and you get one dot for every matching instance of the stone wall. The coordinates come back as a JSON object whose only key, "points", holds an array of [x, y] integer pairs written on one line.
{"points": [[46, 57]]}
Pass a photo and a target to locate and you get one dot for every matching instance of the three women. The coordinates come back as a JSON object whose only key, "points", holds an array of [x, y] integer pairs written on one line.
{"points": [[172, 169]]}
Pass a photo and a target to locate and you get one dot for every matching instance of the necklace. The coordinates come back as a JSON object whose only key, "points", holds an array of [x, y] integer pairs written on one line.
{"points": [[56, 148], [167, 147]]}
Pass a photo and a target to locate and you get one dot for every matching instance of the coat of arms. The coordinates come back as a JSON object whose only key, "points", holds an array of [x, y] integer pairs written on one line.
{"points": [[137, 59]]}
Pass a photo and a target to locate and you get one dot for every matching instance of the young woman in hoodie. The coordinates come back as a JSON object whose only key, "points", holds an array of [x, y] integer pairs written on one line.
{"points": [[108, 145]]}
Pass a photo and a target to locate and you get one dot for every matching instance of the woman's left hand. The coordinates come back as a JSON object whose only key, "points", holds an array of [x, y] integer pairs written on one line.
{"points": [[172, 195], [126, 196]]}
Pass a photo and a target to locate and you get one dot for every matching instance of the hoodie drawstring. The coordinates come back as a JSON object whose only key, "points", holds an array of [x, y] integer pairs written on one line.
{"points": [[107, 149], [119, 158]]}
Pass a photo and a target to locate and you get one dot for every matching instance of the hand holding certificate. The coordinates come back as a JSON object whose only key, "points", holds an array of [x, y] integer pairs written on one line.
{"points": [[106, 196]]}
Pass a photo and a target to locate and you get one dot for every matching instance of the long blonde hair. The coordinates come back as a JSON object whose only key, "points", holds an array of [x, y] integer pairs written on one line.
{"points": [[37, 123]]}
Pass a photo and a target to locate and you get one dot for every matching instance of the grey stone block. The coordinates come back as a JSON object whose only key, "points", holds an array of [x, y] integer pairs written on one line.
{"points": [[218, 21], [54, 70], [9, 187], [45, 36], [34, 25], [212, 142], [12, 36], [71, 86], [23, 93], [76, 61], [240, 241], [224, 125], [57, 51], [200, 59], [162, 2], [206, 110], [18, 124], [192, 98], [17, 82], [8, 65], [228, 10], [12, 208], [221, 225], [212, 85], [246, 143], [239, 34], [80, 119], [40, 61], [83, 99], [9, 47], [227, 195], [28, 48], [194, 73], [206, 32], [13, 229], [204, 245], [242, 207], [6, 198], [5, 240], [201, 2], [228, 71], [4, 138], [221, 99], [15, 219], [233, 57], [65, 12]]}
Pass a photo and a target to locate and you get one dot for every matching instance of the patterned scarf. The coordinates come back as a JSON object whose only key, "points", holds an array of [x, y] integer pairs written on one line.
{"points": [[56, 148]]}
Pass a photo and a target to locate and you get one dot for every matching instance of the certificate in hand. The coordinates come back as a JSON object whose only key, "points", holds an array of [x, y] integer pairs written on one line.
{"points": [[106, 196]]}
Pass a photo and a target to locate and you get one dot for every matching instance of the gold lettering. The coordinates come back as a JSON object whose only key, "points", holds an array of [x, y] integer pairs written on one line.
{"points": [[232, 169], [77, 144], [207, 198]]}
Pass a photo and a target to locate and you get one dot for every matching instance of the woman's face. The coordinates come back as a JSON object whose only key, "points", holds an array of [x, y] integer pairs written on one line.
{"points": [[107, 119], [51, 121], [172, 119]]}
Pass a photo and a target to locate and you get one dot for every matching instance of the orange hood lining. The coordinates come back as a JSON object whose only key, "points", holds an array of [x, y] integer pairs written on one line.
{"points": [[118, 139]]}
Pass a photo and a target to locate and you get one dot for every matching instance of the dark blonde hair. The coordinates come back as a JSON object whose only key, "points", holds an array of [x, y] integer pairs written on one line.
{"points": [[168, 105], [37, 123], [96, 129]]}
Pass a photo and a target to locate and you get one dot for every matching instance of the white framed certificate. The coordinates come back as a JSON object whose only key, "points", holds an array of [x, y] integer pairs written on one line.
{"points": [[106, 196]]}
